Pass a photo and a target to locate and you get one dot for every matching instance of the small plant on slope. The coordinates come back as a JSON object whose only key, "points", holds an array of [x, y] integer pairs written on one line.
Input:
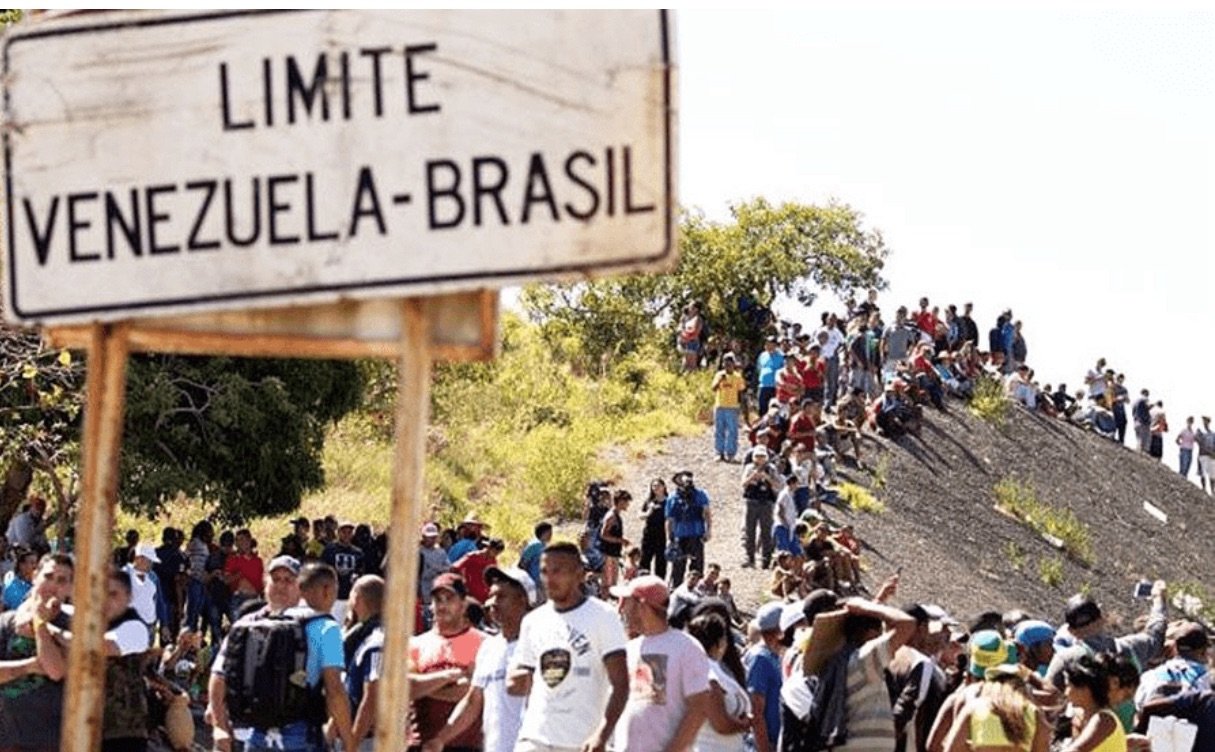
{"points": [[859, 498], [1020, 500], [990, 402]]}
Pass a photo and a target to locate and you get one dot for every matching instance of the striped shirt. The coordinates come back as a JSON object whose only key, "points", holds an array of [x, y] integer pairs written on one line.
{"points": [[867, 706]]}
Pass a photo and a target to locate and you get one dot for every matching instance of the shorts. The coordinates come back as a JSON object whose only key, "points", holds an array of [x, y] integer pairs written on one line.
{"points": [[1206, 466], [689, 347]]}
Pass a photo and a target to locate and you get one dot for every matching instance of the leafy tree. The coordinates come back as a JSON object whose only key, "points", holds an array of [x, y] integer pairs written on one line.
{"points": [[245, 434], [41, 398], [765, 251]]}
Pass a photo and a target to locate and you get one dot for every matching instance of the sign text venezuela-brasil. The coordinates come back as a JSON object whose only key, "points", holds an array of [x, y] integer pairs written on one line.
{"points": [[177, 163]]}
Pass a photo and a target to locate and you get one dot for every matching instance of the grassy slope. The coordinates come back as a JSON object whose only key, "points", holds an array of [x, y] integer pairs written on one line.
{"points": [[516, 441]]}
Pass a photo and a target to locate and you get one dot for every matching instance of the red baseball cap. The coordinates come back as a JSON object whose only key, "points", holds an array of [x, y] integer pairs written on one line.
{"points": [[649, 589]]}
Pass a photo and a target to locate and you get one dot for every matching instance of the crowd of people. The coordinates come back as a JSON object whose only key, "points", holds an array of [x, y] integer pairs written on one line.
{"points": [[564, 661], [860, 372], [622, 644]]}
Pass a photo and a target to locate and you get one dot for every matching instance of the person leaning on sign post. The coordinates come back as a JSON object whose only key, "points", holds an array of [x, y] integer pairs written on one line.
{"points": [[32, 663]]}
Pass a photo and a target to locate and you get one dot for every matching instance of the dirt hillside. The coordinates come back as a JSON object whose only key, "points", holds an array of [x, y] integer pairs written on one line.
{"points": [[942, 527]]}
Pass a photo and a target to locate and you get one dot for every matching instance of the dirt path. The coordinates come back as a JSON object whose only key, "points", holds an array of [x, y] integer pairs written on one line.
{"points": [[722, 482]]}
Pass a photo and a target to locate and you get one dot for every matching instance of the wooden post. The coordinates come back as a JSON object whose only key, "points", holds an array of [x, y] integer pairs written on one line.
{"points": [[103, 417], [412, 418]]}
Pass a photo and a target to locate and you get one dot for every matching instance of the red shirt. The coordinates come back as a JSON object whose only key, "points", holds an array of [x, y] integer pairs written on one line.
{"points": [[248, 567], [926, 322], [813, 375], [431, 652], [472, 568], [788, 386], [801, 430]]}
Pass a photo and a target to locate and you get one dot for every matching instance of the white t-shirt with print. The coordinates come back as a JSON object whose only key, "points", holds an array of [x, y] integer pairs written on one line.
{"points": [[502, 714], [664, 670], [565, 652]]}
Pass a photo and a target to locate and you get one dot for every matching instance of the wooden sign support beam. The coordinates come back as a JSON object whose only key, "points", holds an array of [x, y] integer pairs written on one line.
{"points": [[103, 416], [408, 488]]}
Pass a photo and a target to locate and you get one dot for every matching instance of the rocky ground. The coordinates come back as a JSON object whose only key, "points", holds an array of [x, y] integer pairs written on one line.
{"points": [[942, 528]]}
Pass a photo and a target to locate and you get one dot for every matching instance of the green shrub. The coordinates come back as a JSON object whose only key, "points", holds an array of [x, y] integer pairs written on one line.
{"points": [[990, 402], [860, 499], [1050, 571], [1021, 501]]}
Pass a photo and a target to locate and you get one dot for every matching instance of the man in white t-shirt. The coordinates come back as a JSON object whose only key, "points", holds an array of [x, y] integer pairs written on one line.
{"points": [[512, 593], [569, 663], [144, 585], [668, 674]]}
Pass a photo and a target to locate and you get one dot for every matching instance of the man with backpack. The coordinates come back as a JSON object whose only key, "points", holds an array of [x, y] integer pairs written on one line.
{"points": [[257, 702]]}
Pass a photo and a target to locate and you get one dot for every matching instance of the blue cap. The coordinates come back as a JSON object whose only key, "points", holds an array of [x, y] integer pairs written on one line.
{"points": [[1033, 632], [767, 618]]}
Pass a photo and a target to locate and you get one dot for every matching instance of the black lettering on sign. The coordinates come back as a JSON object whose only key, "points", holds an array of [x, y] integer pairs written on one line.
{"points": [[230, 215], [267, 88], [482, 187], [208, 187], [452, 192], [275, 207], [358, 211], [537, 176], [610, 165], [377, 81], [345, 58], [154, 217], [77, 224], [629, 207], [306, 93], [314, 234], [583, 215], [130, 230], [412, 77], [226, 101], [42, 240]]}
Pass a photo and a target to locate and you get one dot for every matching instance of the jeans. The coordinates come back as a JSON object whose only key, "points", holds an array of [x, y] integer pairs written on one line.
{"points": [[653, 555], [1186, 456], [196, 603], [725, 431], [766, 393], [693, 550], [759, 515]]}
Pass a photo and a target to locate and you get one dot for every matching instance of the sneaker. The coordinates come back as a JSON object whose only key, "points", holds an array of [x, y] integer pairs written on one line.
{"points": [[748, 564]]}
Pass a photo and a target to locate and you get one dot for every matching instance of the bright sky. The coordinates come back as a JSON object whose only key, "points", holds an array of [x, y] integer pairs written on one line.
{"points": [[1056, 161]]}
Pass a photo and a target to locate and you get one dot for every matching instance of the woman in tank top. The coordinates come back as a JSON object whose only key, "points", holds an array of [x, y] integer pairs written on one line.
{"points": [[611, 538], [1000, 718], [1088, 690]]}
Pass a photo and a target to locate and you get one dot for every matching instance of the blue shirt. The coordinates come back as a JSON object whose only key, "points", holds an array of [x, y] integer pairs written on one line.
{"points": [[529, 560], [764, 678], [364, 667], [768, 363], [461, 547], [689, 519], [15, 592]]}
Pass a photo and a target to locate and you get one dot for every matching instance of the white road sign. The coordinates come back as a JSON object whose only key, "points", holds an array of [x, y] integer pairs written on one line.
{"points": [[170, 162]]}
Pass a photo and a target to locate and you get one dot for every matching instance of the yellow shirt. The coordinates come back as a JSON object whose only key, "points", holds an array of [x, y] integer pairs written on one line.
{"points": [[728, 387]]}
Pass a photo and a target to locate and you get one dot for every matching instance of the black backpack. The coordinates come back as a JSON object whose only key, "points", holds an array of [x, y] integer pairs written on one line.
{"points": [[265, 669]]}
